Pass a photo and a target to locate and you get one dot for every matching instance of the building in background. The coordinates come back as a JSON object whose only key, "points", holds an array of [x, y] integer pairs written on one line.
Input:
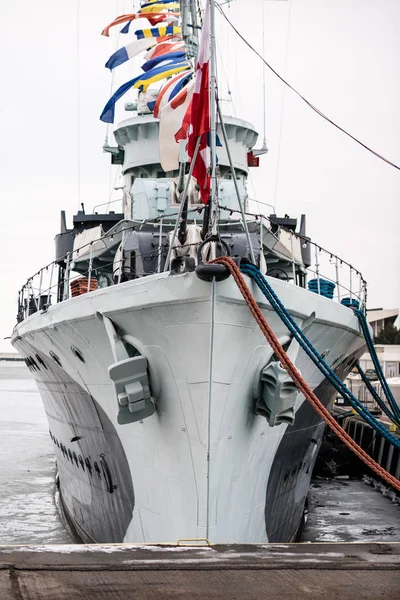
{"points": [[378, 318], [389, 358]]}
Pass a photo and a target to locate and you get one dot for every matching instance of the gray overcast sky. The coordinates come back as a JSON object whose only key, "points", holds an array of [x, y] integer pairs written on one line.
{"points": [[342, 55]]}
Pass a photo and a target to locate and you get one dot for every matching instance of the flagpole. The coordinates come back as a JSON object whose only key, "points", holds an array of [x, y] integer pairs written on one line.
{"points": [[213, 125]]}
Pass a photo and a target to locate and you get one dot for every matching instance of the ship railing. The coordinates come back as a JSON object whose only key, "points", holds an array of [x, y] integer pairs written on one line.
{"points": [[54, 280], [360, 390], [366, 398], [322, 266]]}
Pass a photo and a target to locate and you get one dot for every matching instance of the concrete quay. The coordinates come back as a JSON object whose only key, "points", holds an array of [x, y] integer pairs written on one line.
{"points": [[273, 571]]}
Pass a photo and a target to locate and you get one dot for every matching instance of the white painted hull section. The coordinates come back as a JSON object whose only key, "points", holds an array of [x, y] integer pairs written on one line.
{"points": [[202, 464]]}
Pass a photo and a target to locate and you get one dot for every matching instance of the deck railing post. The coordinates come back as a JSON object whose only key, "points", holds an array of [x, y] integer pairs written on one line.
{"points": [[337, 278], [22, 294], [122, 256], [90, 266], [40, 284], [351, 283], [66, 278], [317, 269], [50, 282], [365, 297], [33, 296], [159, 248], [360, 290], [293, 264]]}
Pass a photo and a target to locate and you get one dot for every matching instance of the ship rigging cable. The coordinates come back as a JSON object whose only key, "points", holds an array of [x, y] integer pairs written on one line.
{"points": [[314, 108], [301, 384], [371, 349], [376, 396]]}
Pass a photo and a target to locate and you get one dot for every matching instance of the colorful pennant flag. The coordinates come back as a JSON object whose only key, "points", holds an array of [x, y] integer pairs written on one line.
{"points": [[129, 51], [160, 31], [152, 2], [156, 7], [153, 18], [141, 82], [176, 88], [163, 95], [200, 112], [164, 48], [160, 73], [172, 57], [170, 120]]}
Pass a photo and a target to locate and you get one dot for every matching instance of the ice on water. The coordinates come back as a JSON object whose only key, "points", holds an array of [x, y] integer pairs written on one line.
{"points": [[28, 514]]}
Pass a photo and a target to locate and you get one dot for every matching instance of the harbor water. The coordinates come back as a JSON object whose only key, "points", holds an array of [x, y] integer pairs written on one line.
{"points": [[28, 513], [340, 510]]}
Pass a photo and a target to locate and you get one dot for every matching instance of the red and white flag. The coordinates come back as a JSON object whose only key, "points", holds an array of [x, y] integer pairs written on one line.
{"points": [[171, 116], [199, 123]]}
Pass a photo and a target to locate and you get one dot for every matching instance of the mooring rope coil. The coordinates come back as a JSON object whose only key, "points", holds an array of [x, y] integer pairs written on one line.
{"points": [[301, 384]]}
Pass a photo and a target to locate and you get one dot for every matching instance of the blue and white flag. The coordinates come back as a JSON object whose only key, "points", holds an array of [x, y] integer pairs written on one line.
{"points": [[141, 82], [129, 51], [125, 28], [175, 89], [171, 57]]}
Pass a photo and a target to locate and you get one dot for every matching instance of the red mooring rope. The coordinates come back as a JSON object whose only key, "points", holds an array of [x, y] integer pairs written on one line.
{"points": [[297, 378]]}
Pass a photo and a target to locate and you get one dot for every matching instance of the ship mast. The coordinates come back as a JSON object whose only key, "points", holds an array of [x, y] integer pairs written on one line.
{"points": [[213, 124], [189, 30]]}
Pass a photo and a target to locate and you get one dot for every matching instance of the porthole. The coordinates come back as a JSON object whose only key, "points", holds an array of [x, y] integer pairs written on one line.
{"points": [[75, 458], [55, 358], [88, 465], [70, 455], [34, 365], [107, 474], [77, 353], [97, 469], [31, 364], [81, 462], [41, 361]]}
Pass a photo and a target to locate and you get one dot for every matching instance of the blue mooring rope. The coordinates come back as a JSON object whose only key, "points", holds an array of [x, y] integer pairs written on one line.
{"points": [[376, 396], [313, 354], [382, 379], [394, 414]]}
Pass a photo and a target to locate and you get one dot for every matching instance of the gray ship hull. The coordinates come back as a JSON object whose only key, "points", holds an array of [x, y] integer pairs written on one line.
{"points": [[205, 464]]}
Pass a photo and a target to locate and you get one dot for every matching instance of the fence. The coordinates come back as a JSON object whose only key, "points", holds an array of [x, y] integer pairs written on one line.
{"points": [[54, 280]]}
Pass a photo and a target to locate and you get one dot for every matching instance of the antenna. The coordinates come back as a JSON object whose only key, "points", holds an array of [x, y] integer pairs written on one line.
{"points": [[264, 145]]}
